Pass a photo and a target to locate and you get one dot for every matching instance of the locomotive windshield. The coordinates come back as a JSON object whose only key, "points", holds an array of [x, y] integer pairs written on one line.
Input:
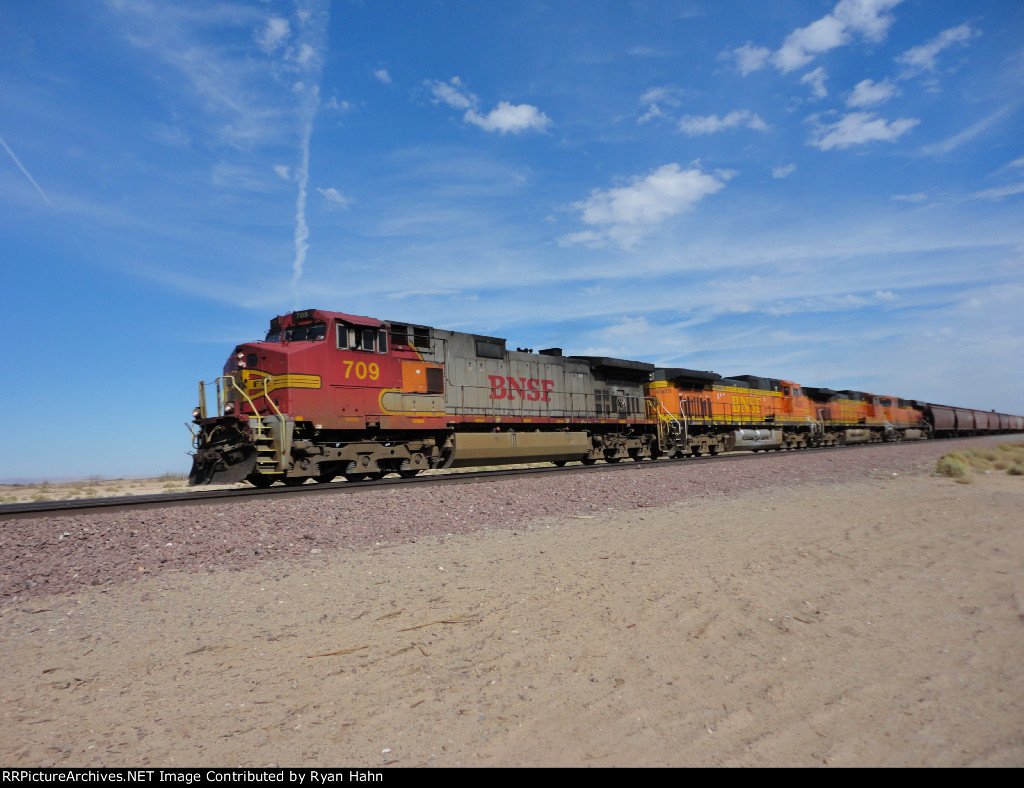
{"points": [[311, 332]]}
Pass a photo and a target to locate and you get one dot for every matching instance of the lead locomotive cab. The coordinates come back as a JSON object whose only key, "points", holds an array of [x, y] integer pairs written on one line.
{"points": [[324, 393]]}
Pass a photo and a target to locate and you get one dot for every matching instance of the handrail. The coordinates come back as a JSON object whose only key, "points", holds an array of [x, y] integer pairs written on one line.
{"points": [[667, 416], [266, 396], [229, 383]]}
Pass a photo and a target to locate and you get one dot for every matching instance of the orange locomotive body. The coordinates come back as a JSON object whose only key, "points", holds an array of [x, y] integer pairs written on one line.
{"points": [[702, 412]]}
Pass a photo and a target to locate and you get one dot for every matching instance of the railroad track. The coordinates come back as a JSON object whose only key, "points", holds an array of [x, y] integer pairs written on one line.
{"points": [[77, 506]]}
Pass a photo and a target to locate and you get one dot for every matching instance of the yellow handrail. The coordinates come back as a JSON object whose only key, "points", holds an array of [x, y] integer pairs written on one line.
{"points": [[229, 383], [266, 396]]}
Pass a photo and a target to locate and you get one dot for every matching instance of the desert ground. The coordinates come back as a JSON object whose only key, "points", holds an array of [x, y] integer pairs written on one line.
{"points": [[871, 620]]}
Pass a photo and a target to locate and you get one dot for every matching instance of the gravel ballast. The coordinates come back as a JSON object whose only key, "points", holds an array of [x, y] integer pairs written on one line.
{"points": [[65, 553]]}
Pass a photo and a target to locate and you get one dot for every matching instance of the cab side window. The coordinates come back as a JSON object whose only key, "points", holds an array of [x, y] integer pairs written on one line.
{"points": [[368, 339]]}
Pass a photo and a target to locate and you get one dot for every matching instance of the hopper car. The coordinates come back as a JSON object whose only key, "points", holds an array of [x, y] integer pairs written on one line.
{"points": [[328, 394]]}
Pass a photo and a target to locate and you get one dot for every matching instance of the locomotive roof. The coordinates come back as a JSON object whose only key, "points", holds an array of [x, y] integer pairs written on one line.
{"points": [[359, 320], [679, 373], [599, 362]]}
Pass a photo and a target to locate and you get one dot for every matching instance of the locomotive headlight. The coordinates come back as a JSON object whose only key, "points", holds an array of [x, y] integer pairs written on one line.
{"points": [[195, 413], [229, 408], [241, 359]]}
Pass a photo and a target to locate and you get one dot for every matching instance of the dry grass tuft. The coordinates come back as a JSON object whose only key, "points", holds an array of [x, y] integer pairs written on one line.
{"points": [[959, 465]]}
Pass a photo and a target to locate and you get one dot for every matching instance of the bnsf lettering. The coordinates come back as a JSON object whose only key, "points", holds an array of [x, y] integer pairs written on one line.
{"points": [[529, 389]]}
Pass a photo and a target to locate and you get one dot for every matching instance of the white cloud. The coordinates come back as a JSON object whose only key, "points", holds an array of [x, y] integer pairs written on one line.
{"points": [[816, 79], [695, 125], [505, 118], [865, 17], [924, 57], [306, 56], [750, 58], [338, 106], [784, 171], [334, 197], [915, 197], [867, 93], [801, 46], [382, 75], [283, 172], [661, 95], [453, 93], [656, 98], [654, 111], [858, 128], [510, 118], [624, 213], [275, 33]]}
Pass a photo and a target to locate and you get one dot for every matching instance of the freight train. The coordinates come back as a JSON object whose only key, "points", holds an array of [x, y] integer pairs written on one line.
{"points": [[328, 394]]}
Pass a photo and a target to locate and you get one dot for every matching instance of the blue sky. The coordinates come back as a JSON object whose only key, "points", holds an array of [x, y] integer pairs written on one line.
{"points": [[829, 192]]}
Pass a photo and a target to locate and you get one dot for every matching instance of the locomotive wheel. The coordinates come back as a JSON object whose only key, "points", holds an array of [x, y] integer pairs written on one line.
{"points": [[294, 481], [612, 459], [588, 460], [259, 480], [560, 463], [324, 478], [408, 473]]}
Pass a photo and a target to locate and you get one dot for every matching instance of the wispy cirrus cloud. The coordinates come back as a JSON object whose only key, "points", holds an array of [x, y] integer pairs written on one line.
{"points": [[972, 132], [25, 172], [999, 192], [925, 57], [249, 97]]}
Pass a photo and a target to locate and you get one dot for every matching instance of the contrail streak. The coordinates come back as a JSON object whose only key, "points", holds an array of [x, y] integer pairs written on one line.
{"points": [[313, 23], [42, 194], [301, 228], [27, 175]]}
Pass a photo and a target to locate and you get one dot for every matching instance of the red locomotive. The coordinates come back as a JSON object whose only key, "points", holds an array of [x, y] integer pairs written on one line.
{"points": [[328, 394]]}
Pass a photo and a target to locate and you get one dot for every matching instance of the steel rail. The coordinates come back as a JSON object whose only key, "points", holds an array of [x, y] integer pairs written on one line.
{"points": [[79, 506]]}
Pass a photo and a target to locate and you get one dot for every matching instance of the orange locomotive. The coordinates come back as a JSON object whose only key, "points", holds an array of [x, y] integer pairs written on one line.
{"points": [[702, 412]]}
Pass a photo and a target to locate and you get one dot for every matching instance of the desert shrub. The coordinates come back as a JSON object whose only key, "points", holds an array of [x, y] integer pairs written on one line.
{"points": [[1016, 470], [954, 467]]}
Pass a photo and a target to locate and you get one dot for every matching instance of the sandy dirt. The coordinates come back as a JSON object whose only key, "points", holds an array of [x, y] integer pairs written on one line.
{"points": [[877, 622]]}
